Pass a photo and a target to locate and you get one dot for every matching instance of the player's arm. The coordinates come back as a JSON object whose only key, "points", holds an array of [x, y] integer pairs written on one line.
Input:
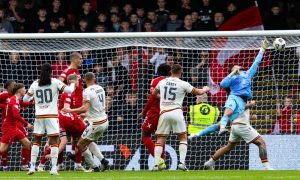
{"points": [[253, 68], [226, 82], [84, 108], [148, 105], [64, 88], [63, 76], [250, 104], [26, 104], [197, 91], [29, 95], [17, 115]]}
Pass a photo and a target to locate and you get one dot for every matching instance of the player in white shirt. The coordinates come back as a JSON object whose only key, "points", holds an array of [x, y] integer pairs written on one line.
{"points": [[241, 129], [172, 91], [94, 106], [45, 92]]}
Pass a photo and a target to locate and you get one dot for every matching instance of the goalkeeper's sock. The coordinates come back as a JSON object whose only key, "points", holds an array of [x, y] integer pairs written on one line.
{"points": [[209, 130], [25, 156], [157, 152], [54, 155], [4, 156], [182, 151], [34, 154], [60, 159], [43, 158], [148, 142], [88, 158], [78, 157], [224, 122], [95, 150]]}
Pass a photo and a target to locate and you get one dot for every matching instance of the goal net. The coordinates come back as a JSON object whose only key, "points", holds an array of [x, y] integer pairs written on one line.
{"points": [[125, 65]]}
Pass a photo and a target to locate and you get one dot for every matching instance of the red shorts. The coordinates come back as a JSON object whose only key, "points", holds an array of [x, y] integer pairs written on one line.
{"points": [[22, 129], [150, 124], [9, 136]]}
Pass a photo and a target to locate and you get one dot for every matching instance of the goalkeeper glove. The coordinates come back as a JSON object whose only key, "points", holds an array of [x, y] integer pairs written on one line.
{"points": [[264, 44]]}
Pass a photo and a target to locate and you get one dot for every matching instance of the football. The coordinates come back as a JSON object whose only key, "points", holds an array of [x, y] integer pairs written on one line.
{"points": [[279, 44]]}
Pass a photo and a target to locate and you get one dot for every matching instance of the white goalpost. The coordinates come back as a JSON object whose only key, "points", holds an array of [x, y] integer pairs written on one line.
{"points": [[125, 64]]}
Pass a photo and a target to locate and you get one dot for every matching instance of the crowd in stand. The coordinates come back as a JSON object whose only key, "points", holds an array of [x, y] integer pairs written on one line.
{"points": [[54, 16]]}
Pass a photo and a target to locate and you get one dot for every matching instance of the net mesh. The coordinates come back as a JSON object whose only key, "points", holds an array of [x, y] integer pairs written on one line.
{"points": [[125, 68]]}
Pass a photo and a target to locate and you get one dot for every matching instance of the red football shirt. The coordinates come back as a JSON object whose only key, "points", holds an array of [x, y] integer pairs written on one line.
{"points": [[152, 107], [65, 98], [77, 94], [13, 115], [70, 123]]}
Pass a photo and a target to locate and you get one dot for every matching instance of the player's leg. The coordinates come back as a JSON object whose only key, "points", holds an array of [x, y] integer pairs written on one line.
{"points": [[206, 131], [4, 154], [82, 146], [182, 150], [78, 154], [263, 155], [25, 153], [226, 117], [158, 150], [35, 152], [43, 158], [219, 153]]}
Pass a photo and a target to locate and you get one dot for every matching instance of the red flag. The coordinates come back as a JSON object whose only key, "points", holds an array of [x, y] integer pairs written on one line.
{"points": [[221, 60]]}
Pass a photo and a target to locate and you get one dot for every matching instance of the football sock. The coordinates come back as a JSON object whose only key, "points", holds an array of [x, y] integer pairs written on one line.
{"points": [[54, 155], [209, 130], [25, 156], [88, 158], [34, 154], [60, 159], [4, 155], [95, 150], [182, 151], [224, 122], [157, 153], [148, 142]]}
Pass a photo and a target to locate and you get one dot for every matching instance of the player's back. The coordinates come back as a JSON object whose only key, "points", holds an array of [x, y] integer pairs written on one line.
{"points": [[172, 93], [10, 122], [95, 95], [46, 98], [241, 85], [4, 99], [155, 107]]}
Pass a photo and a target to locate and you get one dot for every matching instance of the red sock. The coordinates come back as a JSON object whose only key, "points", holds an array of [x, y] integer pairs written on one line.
{"points": [[60, 159], [78, 157], [4, 158], [25, 156], [43, 158], [149, 144]]}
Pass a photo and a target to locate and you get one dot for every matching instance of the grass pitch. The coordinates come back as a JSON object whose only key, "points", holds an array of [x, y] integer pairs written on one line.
{"points": [[166, 175]]}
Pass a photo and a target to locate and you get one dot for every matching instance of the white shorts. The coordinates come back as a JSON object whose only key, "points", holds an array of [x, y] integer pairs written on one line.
{"points": [[171, 121], [241, 131], [94, 132], [49, 125]]}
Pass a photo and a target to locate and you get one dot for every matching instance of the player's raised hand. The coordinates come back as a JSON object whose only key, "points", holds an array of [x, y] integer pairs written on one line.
{"points": [[265, 44], [30, 126], [206, 88]]}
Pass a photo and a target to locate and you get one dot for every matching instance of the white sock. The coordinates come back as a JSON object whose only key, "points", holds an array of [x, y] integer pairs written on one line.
{"points": [[158, 149], [182, 151], [266, 164], [77, 165], [54, 155], [88, 158], [95, 150], [34, 154]]}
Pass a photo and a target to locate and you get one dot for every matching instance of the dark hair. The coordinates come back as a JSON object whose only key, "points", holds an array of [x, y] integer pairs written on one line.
{"points": [[176, 68], [163, 70], [17, 87], [45, 76], [89, 76], [8, 83]]}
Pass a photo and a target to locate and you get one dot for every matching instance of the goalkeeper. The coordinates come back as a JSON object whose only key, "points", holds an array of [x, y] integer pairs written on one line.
{"points": [[239, 83]]}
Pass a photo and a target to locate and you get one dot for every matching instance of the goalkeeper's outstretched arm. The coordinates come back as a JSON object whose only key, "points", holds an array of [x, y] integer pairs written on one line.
{"points": [[253, 68]]}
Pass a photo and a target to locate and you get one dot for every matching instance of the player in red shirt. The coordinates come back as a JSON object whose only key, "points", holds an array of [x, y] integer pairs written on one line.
{"points": [[70, 125], [4, 99], [76, 61], [10, 131], [151, 111]]}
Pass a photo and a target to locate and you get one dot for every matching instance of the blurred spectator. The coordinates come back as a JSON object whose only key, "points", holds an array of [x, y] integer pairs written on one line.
{"points": [[102, 18], [162, 13], [203, 68], [196, 21], [134, 70], [155, 23], [83, 26], [218, 21], [88, 15], [148, 27], [56, 11], [42, 23], [185, 9], [173, 22], [231, 10], [5, 25], [284, 116], [54, 26], [275, 20], [100, 28], [127, 11], [127, 116], [206, 13], [88, 61], [123, 57], [125, 26], [140, 11], [170, 59], [158, 58], [135, 24], [59, 65], [115, 23], [29, 17], [114, 9], [13, 15], [63, 25], [187, 24], [101, 75]]}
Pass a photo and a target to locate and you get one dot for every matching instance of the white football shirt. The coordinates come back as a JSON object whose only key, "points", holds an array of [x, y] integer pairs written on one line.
{"points": [[46, 97], [95, 95], [172, 92]]}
